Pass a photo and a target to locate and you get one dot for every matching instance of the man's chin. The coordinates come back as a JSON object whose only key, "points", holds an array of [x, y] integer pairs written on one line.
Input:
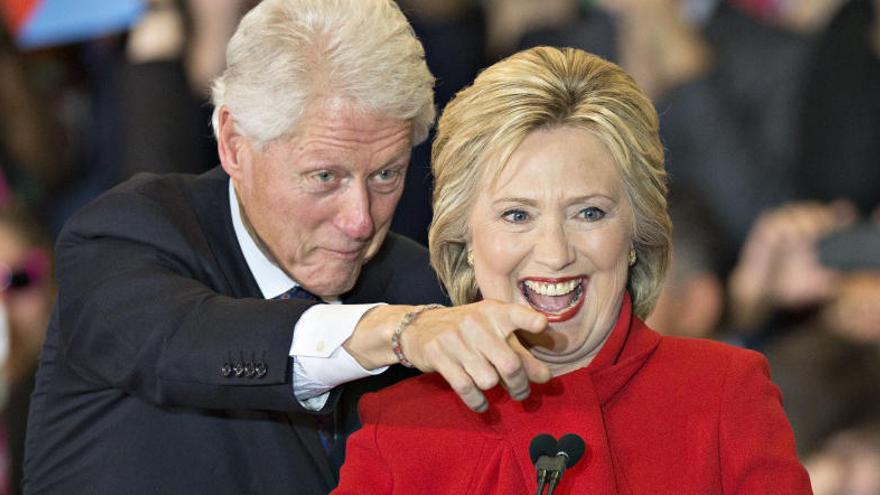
{"points": [[332, 287]]}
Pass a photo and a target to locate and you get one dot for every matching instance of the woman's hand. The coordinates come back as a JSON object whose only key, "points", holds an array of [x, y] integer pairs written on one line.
{"points": [[472, 346]]}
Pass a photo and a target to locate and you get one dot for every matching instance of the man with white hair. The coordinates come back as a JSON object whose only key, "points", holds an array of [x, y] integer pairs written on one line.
{"points": [[188, 351]]}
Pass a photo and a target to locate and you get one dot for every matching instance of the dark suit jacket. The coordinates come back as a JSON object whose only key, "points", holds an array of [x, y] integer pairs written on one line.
{"points": [[154, 299]]}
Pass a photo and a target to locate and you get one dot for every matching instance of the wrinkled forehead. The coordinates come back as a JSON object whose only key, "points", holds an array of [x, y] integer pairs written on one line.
{"points": [[335, 126], [341, 114]]}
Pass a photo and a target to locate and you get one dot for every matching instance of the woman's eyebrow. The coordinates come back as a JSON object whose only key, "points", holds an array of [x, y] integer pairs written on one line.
{"points": [[516, 200]]}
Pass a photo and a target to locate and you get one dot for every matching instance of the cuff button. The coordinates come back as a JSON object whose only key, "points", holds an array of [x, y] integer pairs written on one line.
{"points": [[261, 370]]}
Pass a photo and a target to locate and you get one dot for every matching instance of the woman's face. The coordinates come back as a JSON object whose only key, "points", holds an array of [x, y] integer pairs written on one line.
{"points": [[554, 232]]}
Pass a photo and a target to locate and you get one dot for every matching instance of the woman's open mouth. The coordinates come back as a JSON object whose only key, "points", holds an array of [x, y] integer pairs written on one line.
{"points": [[558, 298]]}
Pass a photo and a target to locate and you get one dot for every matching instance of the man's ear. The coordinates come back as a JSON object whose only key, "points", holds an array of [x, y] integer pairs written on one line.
{"points": [[231, 145]]}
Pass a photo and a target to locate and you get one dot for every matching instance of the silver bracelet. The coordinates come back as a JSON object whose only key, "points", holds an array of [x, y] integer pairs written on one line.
{"points": [[404, 322]]}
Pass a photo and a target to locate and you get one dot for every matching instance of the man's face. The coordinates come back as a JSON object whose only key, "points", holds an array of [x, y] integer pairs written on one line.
{"points": [[321, 200]]}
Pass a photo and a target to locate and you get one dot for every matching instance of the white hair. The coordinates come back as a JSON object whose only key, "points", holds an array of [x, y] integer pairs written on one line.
{"points": [[287, 53]]}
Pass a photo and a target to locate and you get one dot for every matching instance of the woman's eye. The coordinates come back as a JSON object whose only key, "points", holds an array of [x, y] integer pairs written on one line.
{"points": [[592, 214], [515, 216]]}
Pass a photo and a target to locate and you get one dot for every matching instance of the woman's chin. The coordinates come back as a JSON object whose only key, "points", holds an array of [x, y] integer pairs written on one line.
{"points": [[550, 345], [562, 347]]}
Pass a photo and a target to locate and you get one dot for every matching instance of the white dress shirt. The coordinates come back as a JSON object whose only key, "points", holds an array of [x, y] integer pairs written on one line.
{"points": [[319, 360]]}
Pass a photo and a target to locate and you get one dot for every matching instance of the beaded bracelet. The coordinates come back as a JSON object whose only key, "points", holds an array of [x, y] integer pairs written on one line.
{"points": [[404, 322]]}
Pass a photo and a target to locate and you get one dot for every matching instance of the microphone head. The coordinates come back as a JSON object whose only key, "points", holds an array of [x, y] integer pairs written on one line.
{"points": [[573, 447], [542, 444]]}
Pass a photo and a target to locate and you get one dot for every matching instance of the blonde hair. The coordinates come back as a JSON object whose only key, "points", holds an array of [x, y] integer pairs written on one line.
{"points": [[541, 88], [287, 53]]}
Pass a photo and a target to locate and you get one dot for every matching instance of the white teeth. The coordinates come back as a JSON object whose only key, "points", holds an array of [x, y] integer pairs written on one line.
{"points": [[551, 289]]}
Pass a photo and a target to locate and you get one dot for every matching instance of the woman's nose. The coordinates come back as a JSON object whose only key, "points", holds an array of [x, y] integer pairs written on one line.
{"points": [[553, 248]]}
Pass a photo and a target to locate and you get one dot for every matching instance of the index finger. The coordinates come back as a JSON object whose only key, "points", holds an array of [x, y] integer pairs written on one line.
{"points": [[526, 319]]}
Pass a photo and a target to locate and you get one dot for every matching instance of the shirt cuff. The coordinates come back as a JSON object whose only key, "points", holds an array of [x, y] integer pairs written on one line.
{"points": [[320, 363], [323, 328]]}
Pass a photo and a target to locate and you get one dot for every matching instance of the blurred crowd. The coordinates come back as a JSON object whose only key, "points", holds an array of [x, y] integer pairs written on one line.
{"points": [[770, 114]]}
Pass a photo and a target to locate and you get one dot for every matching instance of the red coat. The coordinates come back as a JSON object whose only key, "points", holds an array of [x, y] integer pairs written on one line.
{"points": [[660, 415]]}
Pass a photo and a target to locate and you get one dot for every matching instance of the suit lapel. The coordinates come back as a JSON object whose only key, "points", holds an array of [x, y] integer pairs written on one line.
{"points": [[210, 198]]}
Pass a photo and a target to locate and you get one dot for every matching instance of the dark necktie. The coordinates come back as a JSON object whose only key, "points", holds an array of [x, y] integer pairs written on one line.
{"points": [[299, 293], [325, 424]]}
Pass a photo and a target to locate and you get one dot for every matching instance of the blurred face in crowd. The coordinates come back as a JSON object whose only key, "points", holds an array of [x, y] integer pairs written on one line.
{"points": [[25, 297], [321, 200], [554, 232]]}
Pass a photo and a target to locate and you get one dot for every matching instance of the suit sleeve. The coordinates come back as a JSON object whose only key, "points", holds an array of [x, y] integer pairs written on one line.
{"points": [[139, 310], [365, 469], [757, 445]]}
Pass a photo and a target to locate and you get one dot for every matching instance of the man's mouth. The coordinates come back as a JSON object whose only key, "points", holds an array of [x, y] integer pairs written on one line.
{"points": [[558, 298], [347, 254]]}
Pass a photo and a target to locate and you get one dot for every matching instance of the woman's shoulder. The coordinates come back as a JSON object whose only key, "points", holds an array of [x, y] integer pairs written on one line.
{"points": [[704, 349], [708, 357]]}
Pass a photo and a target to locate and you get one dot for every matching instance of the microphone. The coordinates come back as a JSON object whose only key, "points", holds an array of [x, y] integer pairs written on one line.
{"points": [[570, 449], [542, 444], [540, 451]]}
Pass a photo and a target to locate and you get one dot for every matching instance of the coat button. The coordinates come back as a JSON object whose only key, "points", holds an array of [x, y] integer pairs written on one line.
{"points": [[261, 370], [249, 370], [226, 370], [238, 368]]}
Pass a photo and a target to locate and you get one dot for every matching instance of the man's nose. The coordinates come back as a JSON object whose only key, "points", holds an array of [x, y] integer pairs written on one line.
{"points": [[354, 217], [553, 248]]}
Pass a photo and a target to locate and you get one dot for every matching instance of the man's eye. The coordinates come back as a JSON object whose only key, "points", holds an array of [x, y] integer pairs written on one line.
{"points": [[515, 216], [592, 214], [387, 175], [325, 176]]}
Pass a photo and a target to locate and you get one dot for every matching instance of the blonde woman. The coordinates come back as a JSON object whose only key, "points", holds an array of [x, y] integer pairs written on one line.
{"points": [[551, 193]]}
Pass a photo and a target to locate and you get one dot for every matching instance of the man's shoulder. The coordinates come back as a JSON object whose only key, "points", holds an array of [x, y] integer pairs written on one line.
{"points": [[401, 248], [166, 189], [148, 203]]}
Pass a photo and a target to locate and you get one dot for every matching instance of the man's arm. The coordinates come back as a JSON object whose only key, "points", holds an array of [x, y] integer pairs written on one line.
{"points": [[140, 311]]}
